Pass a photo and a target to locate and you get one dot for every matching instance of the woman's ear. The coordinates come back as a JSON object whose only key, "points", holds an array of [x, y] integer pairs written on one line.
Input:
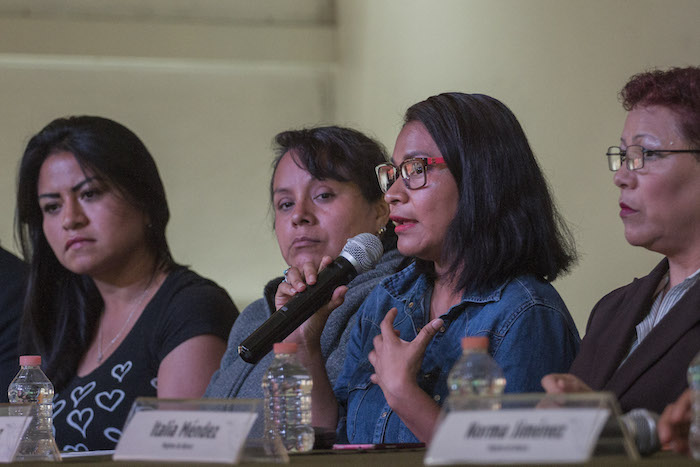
{"points": [[382, 213]]}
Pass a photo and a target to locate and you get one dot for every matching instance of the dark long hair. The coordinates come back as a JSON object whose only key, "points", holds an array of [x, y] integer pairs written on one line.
{"points": [[62, 309], [506, 223], [337, 153]]}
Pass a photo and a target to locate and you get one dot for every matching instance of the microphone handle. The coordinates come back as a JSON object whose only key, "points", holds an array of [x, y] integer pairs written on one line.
{"points": [[300, 308]]}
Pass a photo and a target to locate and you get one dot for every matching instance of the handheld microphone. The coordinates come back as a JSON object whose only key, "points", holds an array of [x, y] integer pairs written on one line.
{"points": [[641, 424], [361, 253]]}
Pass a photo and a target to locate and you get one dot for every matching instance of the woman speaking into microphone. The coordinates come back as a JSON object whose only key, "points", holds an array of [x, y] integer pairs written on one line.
{"points": [[471, 205]]}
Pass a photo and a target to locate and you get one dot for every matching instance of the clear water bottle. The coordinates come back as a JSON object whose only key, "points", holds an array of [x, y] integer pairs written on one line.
{"points": [[476, 373], [694, 384], [31, 386], [287, 393]]}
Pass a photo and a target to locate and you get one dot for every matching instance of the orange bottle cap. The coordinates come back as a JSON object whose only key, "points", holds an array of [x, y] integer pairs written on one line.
{"points": [[480, 342], [30, 360]]}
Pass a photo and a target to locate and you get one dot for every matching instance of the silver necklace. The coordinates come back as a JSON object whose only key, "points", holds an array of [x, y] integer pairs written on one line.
{"points": [[100, 355]]}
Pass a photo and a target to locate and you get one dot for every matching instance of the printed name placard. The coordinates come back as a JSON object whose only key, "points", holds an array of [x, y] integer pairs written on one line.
{"points": [[12, 429], [517, 436], [185, 436]]}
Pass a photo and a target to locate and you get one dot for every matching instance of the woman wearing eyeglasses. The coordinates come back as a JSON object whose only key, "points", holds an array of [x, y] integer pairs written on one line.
{"points": [[641, 337], [470, 203]]}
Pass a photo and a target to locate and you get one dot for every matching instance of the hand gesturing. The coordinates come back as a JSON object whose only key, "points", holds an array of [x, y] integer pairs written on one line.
{"points": [[396, 362]]}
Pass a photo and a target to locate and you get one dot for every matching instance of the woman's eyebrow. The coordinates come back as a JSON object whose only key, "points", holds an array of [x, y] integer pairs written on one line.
{"points": [[75, 188]]}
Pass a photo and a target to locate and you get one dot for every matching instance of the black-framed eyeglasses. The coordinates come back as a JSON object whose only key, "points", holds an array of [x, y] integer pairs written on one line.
{"points": [[412, 171], [635, 155]]}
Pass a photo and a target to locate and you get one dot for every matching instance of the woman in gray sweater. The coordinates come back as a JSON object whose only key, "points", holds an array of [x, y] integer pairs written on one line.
{"points": [[323, 191]]}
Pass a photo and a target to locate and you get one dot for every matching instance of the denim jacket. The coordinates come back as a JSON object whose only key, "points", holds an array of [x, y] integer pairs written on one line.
{"points": [[530, 330]]}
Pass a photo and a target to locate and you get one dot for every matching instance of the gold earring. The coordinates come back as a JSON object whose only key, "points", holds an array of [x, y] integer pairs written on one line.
{"points": [[381, 232]]}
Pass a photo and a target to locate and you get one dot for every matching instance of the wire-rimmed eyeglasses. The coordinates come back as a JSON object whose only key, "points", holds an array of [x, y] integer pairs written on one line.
{"points": [[412, 171], [635, 156]]}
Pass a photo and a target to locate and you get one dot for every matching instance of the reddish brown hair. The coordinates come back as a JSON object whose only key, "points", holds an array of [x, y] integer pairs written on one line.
{"points": [[675, 88]]}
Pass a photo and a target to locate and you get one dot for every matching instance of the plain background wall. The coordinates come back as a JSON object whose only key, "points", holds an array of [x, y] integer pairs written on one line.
{"points": [[557, 64], [207, 94]]}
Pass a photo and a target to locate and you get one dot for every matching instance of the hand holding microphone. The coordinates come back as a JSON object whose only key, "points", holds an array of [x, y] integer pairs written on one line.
{"points": [[361, 253], [297, 279], [308, 334]]}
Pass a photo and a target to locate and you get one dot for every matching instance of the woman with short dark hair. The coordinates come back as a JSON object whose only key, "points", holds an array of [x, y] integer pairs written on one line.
{"points": [[506, 224], [322, 192], [470, 203], [107, 308]]}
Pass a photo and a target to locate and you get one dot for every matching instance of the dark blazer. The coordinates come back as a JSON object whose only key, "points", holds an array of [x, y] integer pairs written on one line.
{"points": [[12, 276], [655, 373]]}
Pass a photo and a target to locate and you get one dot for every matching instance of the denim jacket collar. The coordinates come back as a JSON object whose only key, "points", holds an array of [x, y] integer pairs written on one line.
{"points": [[408, 284]]}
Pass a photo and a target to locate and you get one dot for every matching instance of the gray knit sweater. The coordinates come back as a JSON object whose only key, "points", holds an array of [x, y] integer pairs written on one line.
{"points": [[236, 378]]}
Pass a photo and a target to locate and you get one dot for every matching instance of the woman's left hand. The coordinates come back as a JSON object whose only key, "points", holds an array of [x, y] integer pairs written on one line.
{"points": [[396, 362]]}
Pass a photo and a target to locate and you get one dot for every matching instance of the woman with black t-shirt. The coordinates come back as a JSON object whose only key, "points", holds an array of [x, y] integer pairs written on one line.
{"points": [[108, 309]]}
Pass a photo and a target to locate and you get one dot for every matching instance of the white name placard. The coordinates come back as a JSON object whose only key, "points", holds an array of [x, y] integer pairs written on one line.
{"points": [[185, 435], [12, 429], [517, 436]]}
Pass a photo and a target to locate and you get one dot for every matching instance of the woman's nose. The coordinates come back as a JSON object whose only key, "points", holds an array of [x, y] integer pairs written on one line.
{"points": [[303, 213], [396, 192], [624, 177], [73, 215]]}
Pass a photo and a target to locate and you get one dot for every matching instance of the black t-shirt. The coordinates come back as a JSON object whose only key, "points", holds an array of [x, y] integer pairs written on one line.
{"points": [[12, 275], [89, 413]]}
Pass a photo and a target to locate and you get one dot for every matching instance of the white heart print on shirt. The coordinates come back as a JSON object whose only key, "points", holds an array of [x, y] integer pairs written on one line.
{"points": [[80, 392], [80, 419], [76, 448], [58, 407], [120, 370], [109, 400], [112, 434]]}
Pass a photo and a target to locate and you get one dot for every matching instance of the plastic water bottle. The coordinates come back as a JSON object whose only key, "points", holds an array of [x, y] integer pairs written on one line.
{"points": [[31, 386], [694, 384], [476, 373], [287, 392]]}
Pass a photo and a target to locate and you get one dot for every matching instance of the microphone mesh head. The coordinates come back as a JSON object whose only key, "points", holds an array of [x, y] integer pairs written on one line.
{"points": [[641, 424], [363, 251]]}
